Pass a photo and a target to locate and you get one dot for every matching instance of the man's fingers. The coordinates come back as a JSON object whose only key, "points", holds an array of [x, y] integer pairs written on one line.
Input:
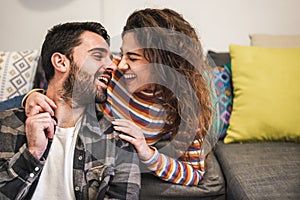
{"points": [[50, 129]]}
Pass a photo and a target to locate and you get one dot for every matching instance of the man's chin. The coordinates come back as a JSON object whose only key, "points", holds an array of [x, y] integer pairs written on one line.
{"points": [[100, 98]]}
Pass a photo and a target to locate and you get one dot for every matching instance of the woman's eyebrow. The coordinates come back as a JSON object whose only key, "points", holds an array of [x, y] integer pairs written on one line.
{"points": [[133, 54]]}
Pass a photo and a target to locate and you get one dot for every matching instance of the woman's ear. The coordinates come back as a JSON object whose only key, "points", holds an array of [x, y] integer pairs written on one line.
{"points": [[60, 62]]}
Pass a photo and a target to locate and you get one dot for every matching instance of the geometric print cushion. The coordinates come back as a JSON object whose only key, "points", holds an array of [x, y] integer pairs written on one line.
{"points": [[17, 71], [223, 84]]}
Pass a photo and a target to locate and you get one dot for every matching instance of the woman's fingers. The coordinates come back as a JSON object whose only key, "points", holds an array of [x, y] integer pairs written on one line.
{"points": [[124, 130], [37, 103], [125, 123], [128, 127], [134, 135]]}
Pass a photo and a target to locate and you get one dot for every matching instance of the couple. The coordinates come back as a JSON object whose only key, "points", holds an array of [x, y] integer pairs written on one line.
{"points": [[162, 81]]}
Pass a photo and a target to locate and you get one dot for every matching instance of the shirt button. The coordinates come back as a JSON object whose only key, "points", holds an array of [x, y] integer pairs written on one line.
{"points": [[76, 188], [80, 158], [31, 175], [36, 169]]}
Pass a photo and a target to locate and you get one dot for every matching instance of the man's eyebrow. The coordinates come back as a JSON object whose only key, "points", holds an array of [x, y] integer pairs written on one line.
{"points": [[104, 50]]}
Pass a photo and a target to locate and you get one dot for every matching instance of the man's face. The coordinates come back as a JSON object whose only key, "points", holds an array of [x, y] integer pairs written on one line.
{"points": [[90, 71]]}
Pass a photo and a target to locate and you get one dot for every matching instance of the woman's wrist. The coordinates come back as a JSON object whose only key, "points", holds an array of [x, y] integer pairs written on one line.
{"points": [[29, 93], [147, 157]]}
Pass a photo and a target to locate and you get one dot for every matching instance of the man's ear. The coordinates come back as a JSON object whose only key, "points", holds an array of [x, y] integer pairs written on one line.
{"points": [[60, 62]]}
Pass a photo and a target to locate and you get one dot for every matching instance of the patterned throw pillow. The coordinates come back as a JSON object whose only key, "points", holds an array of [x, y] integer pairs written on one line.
{"points": [[40, 78], [223, 85], [17, 71]]}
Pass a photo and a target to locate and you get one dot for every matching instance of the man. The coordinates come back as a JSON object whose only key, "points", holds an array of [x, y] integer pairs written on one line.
{"points": [[74, 154]]}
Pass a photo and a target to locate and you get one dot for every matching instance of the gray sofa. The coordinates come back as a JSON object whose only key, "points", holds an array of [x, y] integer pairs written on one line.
{"points": [[266, 170]]}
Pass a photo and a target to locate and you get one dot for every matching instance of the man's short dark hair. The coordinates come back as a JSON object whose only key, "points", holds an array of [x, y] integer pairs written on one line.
{"points": [[63, 38]]}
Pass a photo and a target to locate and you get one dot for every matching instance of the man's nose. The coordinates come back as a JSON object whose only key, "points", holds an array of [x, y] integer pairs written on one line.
{"points": [[110, 64]]}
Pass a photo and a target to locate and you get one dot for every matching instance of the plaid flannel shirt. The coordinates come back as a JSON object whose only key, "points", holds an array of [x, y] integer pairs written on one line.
{"points": [[104, 166]]}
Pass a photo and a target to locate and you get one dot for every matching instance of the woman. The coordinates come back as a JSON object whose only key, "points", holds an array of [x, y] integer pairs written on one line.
{"points": [[162, 92]]}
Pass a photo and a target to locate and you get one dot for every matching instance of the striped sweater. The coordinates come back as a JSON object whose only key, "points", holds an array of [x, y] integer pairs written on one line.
{"points": [[148, 113]]}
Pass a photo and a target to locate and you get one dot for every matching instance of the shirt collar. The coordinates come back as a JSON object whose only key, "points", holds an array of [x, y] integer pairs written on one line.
{"points": [[95, 120]]}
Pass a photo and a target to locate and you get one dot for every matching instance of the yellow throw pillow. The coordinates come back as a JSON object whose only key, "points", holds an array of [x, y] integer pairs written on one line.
{"points": [[266, 87]]}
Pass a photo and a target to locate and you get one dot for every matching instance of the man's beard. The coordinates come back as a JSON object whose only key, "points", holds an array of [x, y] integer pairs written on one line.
{"points": [[80, 89]]}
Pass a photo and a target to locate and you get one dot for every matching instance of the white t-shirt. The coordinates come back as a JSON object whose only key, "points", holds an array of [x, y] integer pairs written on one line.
{"points": [[56, 181]]}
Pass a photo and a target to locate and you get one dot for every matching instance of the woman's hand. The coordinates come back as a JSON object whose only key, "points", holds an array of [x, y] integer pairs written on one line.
{"points": [[135, 136], [37, 103]]}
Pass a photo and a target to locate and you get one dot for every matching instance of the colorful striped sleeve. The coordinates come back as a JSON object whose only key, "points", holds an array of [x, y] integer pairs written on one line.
{"points": [[188, 172]]}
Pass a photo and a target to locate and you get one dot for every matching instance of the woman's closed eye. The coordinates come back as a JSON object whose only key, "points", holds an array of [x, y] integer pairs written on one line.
{"points": [[132, 59]]}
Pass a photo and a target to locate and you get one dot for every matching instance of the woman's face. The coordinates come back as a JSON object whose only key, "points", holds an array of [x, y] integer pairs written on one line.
{"points": [[137, 70]]}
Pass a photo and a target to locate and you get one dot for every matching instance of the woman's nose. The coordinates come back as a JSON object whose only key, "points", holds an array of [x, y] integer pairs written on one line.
{"points": [[123, 65]]}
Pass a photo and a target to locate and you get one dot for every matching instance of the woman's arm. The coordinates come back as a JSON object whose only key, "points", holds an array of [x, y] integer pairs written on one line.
{"points": [[184, 171], [11, 103], [187, 170], [36, 102]]}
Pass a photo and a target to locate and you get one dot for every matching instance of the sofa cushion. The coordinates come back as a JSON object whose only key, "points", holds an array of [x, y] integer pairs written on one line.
{"points": [[275, 41], [217, 58], [266, 170], [17, 71], [211, 187], [266, 94]]}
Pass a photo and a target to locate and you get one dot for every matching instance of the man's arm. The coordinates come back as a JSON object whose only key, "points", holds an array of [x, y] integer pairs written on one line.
{"points": [[20, 156], [18, 168], [17, 173]]}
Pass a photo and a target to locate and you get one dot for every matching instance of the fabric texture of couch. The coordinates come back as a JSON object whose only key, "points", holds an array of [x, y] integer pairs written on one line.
{"points": [[267, 170]]}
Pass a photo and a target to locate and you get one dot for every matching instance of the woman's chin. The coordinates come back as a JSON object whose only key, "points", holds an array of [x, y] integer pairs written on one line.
{"points": [[132, 90]]}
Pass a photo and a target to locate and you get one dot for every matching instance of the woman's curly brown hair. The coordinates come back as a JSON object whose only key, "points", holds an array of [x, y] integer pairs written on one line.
{"points": [[171, 44]]}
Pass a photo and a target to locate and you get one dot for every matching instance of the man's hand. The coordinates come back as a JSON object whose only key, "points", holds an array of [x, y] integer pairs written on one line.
{"points": [[39, 128], [37, 103]]}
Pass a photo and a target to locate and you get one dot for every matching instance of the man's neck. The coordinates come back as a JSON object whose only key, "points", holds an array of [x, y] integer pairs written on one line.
{"points": [[67, 116], [65, 113]]}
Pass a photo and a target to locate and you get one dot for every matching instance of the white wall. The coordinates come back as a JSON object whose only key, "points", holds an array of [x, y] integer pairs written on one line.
{"points": [[219, 22], [24, 23]]}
